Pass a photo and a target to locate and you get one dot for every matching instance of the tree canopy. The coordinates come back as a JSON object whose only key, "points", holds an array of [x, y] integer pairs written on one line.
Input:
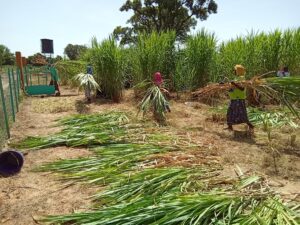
{"points": [[74, 51], [6, 57], [163, 15]]}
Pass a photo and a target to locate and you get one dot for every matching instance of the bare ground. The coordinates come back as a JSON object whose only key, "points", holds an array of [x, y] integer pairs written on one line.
{"points": [[29, 195]]}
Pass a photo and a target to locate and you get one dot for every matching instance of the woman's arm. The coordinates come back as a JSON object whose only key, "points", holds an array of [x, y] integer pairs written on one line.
{"points": [[237, 85]]}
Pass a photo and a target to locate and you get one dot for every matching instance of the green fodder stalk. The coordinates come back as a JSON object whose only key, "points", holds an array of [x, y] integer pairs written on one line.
{"points": [[230, 53], [260, 52], [68, 69], [87, 80], [271, 50], [204, 209], [156, 182], [108, 59], [281, 90], [155, 52], [155, 100], [83, 130], [290, 86], [184, 73], [200, 51], [290, 48], [274, 119], [111, 163]]}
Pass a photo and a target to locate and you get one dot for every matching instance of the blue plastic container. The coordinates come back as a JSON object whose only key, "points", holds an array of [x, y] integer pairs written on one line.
{"points": [[11, 162]]}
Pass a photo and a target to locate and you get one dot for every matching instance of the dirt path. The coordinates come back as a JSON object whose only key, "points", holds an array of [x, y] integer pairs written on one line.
{"points": [[29, 194], [238, 150]]}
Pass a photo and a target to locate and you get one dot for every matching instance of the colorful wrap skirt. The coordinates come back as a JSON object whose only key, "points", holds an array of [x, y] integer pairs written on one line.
{"points": [[237, 112]]}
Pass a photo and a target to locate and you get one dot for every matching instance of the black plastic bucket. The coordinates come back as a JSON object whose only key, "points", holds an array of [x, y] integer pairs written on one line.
{"points": [[11, 162]]}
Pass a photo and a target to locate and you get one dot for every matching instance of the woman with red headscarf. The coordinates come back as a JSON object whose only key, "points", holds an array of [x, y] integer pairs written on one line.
{"points": [[158, 81]]}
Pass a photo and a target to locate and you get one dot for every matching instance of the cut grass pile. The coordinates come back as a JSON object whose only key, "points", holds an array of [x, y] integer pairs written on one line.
{"points": [[239, 204], [282, 90], [93, 130], [277, 118], [155, 100], [132, 190], [110, 163]]}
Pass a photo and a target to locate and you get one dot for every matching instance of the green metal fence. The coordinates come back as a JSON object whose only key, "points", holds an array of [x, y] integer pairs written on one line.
{"points": [[9, 101]]}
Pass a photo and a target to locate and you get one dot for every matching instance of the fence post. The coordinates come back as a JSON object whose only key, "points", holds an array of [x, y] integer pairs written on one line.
{"points": [[11, 96], [26, 77], [4, 108], [15, 89], [19, 64], [18, 83]]}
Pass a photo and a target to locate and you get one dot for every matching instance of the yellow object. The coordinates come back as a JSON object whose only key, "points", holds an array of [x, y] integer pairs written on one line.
{"points": [[239, 70], [236, 93]]}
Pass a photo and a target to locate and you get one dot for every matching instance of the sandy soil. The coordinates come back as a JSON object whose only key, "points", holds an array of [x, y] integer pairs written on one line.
{"points": [[238, 149], [29, 195]]}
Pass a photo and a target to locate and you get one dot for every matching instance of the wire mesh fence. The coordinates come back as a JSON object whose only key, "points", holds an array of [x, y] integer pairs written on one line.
{"points": [[9, 101]]}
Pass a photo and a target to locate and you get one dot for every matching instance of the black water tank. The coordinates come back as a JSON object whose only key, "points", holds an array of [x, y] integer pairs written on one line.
{"points": [[47, 46]]}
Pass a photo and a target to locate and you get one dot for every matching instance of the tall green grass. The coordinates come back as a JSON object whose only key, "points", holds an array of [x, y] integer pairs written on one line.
{"points": [[261, 52], [184, 74], [290, 50], [200, 52], [68, 69], [108, 60], [188, 65], [154, 52]]}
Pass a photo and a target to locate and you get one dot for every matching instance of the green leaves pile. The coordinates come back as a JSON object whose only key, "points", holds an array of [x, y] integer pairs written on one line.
{"points": [[133, 190], [155, 100], [87, 80]]}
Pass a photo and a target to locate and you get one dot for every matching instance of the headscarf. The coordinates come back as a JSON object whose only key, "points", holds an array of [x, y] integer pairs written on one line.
{"points": [[240, 70], [157, 79]]}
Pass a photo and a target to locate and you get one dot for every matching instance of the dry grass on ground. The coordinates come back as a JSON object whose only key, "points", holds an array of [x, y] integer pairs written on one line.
{"points": [[30, 194]]}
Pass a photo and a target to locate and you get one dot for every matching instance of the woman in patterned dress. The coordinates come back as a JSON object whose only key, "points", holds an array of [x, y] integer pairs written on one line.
{"points": [[237, 112]]}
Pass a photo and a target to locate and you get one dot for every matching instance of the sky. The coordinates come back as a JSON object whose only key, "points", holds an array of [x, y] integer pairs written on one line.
{"points": [[24, 22]]}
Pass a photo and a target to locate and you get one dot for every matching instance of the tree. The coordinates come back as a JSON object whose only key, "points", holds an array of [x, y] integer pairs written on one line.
{"points": [[74, 51], [57, 58], [6, 57], [163, 15]]}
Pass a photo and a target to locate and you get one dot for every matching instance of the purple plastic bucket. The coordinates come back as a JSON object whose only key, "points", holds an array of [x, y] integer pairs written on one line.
{"points": [[11, 162]]}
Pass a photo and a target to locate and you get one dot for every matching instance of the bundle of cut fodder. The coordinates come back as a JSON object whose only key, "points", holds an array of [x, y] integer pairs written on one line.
{"points": [[154, 99], [282, 90], [94, 130], [83, 130], [241, 203]]}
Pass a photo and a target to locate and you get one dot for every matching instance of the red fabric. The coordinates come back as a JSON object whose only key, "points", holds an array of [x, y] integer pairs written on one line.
{"points": [[158, 79]]}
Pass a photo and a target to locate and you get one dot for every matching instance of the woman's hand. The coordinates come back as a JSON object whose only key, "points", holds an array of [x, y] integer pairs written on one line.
{"points": [[239, 86]]}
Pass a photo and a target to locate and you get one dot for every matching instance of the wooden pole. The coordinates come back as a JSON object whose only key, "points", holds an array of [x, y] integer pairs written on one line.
{"points": [[24, 61], [20, 65]]}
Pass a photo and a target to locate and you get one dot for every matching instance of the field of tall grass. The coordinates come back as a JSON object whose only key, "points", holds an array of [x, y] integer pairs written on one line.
{"points": [[192, 64], [67, 70]]}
